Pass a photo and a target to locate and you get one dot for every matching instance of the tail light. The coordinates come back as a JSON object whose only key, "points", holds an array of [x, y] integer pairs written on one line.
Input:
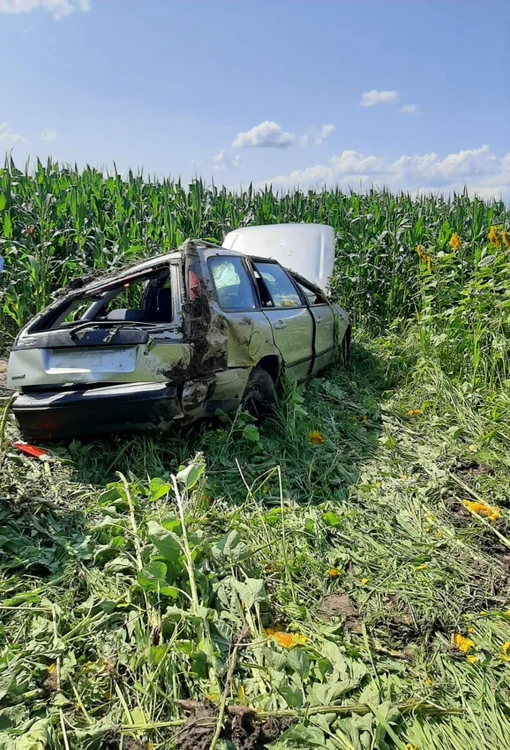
{"points": [[194, 286]]}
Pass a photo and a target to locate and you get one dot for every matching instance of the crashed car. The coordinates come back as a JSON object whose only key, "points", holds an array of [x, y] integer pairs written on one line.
{"points": [[179, 336]]}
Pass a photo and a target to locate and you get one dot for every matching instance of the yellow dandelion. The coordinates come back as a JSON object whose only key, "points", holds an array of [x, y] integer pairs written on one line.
{"points": [[332, 573], [481, 509], [421, 567], [470, 629], [483, 612], [463, 644], [211, 697], [410, 747], [472, 448], [315, 438], [506, 239], [414, 412], [507, 613], [285, 640], [506, 646], [52, 668], [364, 581], [471, 659], [454, 242], [428, 681], [493, 236]]}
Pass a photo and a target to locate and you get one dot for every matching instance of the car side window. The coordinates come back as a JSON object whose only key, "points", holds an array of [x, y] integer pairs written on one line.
{"points": [[282, 292], [312, 295], [232, 283]]}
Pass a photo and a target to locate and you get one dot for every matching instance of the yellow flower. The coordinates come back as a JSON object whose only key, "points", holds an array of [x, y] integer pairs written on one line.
{"points": [[332, 573], [481, 509], [424, 258], [364, 581], [470, 658], [52, 668], [285, 640], [463, 644], [454, 242], [472, 448], [506, 239], [483, 612], [428, 681], [507, 613], [414, 412], [211, 697], [420, 567], [470, 629], [493, 236], [421, 254], [315, 438], [404, 477], [506, 646], [410, 747]]}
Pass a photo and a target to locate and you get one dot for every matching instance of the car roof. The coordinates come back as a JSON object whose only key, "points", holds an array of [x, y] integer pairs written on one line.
{"points": [[153, 264]]}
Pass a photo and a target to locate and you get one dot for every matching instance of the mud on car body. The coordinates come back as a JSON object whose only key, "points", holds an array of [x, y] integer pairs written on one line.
{"points": [[173, 338]]}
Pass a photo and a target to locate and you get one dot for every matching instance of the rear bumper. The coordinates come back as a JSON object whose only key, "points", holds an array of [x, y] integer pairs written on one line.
{"points": [[133, 407]]}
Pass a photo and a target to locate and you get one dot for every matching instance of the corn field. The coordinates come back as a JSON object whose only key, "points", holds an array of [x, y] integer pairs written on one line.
{"points": [[336, 577], [57, 223]]}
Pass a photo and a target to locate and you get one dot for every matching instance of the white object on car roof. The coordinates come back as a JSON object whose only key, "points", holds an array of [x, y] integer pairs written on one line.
{"points": [[306, 249]]}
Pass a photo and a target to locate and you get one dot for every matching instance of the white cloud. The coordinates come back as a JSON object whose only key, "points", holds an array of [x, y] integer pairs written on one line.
{"points": [[268, 134], [324, 133], [58, 8], [409, 109], [481, 170], [8, 136], [371, 98], [49, 135], [222, 162]]}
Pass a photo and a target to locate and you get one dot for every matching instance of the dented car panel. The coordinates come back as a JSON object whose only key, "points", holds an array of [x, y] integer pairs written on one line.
{"points": [[171, 339]]}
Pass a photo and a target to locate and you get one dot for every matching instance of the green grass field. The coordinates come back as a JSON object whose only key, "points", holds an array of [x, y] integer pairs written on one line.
{"points": [[338, 577]]}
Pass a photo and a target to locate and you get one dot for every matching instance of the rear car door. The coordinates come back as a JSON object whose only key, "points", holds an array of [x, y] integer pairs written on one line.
{"points": [[324, 319], [290, 318]]}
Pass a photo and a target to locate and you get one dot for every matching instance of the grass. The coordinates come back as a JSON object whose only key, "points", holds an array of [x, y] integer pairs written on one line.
{"points": [[99, 643], [318, 581]]}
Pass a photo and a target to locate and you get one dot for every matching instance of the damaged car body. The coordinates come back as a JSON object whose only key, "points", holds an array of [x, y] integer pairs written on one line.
{"points": [[174, 338]]}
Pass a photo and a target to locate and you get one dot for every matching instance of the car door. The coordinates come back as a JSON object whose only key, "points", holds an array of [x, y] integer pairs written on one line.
{"points": [[290, 318], [324, 318]]}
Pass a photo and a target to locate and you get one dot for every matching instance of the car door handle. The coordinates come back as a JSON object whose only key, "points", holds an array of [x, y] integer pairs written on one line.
{"points": [[280, 324], [318, 319]]}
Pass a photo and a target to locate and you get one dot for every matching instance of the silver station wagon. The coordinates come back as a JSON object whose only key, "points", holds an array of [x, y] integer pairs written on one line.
{"points": [[181, 335]]}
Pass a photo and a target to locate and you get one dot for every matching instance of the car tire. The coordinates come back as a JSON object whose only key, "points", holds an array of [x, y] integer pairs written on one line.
{"points": [[345, 348], [258, 393]]}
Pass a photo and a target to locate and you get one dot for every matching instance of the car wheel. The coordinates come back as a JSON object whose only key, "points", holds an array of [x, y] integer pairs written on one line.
{"points": [[258, 393], [345, 348]]}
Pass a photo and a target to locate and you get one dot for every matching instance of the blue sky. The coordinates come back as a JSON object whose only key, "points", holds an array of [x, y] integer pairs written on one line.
{"points": [[414, 95]]}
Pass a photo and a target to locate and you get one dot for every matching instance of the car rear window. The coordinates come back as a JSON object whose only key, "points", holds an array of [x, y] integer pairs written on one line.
{"points": [[281, 289], [232, 283]]}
